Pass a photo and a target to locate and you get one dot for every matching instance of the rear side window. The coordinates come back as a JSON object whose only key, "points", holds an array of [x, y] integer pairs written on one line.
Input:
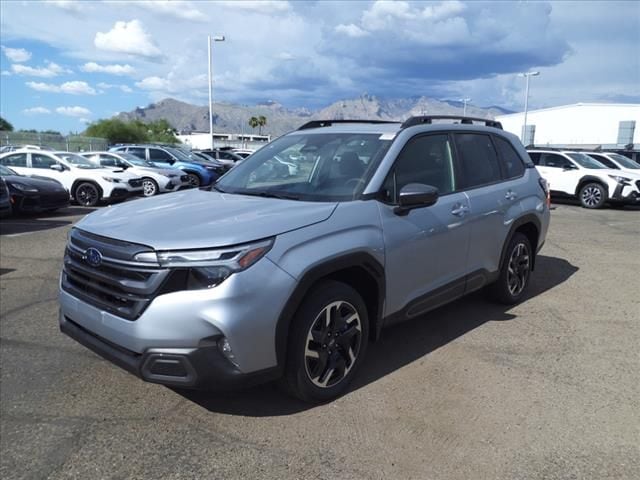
{"points": [[42, 161], [535, 157], [511, 161], [604, 160], [155, 155], [138, 152], [554, 160], [479, 159], [15, 160]]}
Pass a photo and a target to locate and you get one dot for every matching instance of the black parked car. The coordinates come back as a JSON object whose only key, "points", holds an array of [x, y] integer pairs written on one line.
{"points": [[5, 201], [34, 194]]}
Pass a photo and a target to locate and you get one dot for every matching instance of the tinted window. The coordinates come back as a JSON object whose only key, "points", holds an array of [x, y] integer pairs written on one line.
{"points": [[426, 159], [604, 160], [554, 160], [479, 159], [535, 157], [15, 160], [511, 161], [42, 161], [157, 155], [138, 152]]}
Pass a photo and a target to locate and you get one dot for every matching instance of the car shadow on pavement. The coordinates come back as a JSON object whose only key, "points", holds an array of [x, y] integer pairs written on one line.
{"points": [[28, 223], [398, 346]]}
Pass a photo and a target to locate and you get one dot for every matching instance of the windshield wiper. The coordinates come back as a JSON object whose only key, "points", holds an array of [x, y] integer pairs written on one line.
{"points": [[282, 196]]}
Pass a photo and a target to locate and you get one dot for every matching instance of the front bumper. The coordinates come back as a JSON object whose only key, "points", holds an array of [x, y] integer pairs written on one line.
{"points": [[34, 203], [204, 367], [627, 194]]}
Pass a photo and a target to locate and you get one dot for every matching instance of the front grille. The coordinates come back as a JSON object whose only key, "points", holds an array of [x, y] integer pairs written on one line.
{"points": [[118, 285], [137, 182]]}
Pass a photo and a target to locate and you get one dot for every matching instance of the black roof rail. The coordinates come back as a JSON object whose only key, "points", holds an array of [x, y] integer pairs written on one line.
{"points": [[427, 119], [328, 123]]}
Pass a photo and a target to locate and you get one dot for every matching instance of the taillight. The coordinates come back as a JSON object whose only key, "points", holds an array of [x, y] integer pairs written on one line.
{"points": [[546, 189]]}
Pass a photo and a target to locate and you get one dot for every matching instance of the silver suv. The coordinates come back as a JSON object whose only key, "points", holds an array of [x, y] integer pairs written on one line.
{"points": [[279, 275]]}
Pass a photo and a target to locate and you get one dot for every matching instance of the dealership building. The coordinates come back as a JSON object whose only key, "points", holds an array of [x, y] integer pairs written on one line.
{"points": [[601, 126]]}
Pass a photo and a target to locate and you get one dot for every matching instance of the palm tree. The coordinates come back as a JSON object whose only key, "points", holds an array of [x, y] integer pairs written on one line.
{"points": [[262, 121], [254, 122]]}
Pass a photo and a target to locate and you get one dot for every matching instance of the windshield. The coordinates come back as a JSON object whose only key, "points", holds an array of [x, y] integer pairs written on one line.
{"points": [[4, 171], [624, 161], [585, 161], [309, 166], [180, 154], [138, 162], [76, 160]]}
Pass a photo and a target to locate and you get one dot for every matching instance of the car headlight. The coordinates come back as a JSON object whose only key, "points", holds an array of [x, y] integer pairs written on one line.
{"points": [[23, 188], [622, 180], [209, 268], [111, 179]]}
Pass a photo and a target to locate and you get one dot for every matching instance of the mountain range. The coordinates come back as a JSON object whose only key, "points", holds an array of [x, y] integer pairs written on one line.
{"points": [[234, 118]]}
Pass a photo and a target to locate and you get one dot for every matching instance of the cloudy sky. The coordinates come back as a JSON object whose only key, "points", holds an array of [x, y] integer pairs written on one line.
{"points": [[64, 63]]}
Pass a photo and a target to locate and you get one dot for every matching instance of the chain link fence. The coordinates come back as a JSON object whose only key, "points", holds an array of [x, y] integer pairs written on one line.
{"points": [[70, 143]]}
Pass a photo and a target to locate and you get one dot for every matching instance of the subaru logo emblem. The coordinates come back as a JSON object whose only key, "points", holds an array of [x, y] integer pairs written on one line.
{"points": [[92, 256]]}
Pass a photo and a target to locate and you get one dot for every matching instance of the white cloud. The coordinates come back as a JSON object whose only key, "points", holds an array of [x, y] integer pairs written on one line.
{"points": [[107, 86], [75, 87], [153, 83], [351, 30], [74, 111], [73, 6], [261, 6], [127, 37], [175, 8], [51, 70], [16, 55], [115, 69], [36, 111]]}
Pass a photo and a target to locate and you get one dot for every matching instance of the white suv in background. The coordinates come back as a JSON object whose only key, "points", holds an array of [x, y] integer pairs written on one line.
{"points": [[87, 184], [575, 174], [154, 179], [616, 161]]}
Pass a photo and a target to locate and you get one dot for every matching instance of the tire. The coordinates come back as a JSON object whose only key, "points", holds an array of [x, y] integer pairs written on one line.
{"points": [[149, 187], [593, 195], [194, 180], [515, 272], [87, 194], [323, 359]]}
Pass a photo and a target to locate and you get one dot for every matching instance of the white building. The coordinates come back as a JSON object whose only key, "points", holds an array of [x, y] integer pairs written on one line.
{"points": [[202, 140], [612, 126]]}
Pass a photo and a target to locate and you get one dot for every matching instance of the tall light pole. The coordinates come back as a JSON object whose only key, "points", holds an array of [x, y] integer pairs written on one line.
{"points": [[217, 38], [464, 102], [526, 100]]}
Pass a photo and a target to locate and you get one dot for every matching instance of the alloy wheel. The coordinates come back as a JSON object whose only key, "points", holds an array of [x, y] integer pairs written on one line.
{"points": [[333, 344], [87, 195], [518, 269], [194, 180], [149, 188], [591, 196]]}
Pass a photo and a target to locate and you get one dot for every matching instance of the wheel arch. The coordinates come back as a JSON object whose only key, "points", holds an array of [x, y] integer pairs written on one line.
{"points": [[591, 179], [530, 226], [361, 271], [80, 181]]}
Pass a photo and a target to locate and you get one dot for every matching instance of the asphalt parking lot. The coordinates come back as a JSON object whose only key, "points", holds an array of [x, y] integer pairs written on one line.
{"points": [[549, 389]]}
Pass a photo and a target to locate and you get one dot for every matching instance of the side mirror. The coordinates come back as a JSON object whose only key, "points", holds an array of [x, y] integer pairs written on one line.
{"points": [[57, 167], [415, 195]]}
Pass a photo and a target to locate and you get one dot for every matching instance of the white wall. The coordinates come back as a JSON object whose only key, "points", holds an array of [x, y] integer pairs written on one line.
{"points": [[576, 124]]}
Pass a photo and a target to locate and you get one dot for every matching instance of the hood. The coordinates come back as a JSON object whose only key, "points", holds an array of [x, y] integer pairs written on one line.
{"points": [[167, 172], [200, 219], [43, 183], [111, 172]]}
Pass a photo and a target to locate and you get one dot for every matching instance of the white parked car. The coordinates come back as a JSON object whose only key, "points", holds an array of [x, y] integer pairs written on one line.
{"points": [[87, 183], [616, 161], [575, 174], [154, 179]]}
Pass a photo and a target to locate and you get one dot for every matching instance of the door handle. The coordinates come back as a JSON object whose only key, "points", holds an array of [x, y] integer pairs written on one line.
{"points": [[459, 210], [511, 195]]}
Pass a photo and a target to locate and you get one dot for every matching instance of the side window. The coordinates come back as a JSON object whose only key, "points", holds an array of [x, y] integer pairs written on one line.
{"points": [[605, 161], [535, 157], [42, 161], [157, 155], [479, 159], [513, 166], [553, 160], [138, 152], [108, 161], [424, 159], [15, 160]]}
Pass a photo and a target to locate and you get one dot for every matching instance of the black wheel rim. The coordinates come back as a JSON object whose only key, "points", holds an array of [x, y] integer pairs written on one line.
{"points": [[148, 188], [591, 196], [333, 344], [87, 195], [518, 269], [194, 181]]}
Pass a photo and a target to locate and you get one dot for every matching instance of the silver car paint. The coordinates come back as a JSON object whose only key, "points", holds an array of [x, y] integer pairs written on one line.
{"points": [[420, 251]]}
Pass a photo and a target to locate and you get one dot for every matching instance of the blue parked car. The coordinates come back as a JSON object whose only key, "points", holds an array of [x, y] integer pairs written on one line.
{"points": [[200, 174]]}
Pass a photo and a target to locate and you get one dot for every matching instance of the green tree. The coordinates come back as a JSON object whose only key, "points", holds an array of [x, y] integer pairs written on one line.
{"points": [[132, 131], [254, 122], [262, 121], [162, 132], [5, 125]]}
